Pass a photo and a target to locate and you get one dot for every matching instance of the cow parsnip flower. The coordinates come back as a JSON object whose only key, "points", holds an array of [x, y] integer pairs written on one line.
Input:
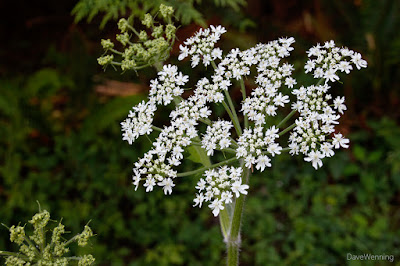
{"points": [[252, 140]]}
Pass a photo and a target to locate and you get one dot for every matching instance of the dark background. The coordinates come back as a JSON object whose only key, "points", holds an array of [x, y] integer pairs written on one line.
{"points": [[60, 140]]}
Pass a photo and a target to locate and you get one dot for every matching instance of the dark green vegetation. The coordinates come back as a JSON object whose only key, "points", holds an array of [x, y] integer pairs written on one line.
{"points": [[60, 144]]}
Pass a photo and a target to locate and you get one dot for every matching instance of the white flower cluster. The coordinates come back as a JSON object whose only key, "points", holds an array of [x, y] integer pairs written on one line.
{"points": [[201, 46], [167, 85], [155, 170], [217, 136], [258, 142], [139, 122], [317, 117], [156, 166], [218, 187], [329, 59], [265, 99], [254, 144], [316, 123]]}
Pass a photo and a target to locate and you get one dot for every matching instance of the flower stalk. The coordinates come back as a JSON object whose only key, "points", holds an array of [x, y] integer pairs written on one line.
{"points": [[234, 239]]}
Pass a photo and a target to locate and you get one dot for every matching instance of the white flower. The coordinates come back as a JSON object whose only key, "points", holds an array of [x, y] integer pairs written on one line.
{"points": [[216, 206], [167, 185], [263, 161], [339, 141], [290, 82], [329, 59], [326, 149], [339, 104], [238, 188], [226, 197], [201, 184], [274, 148], [199, 200], [358, 61], [150, 183], [330, 74], [315, 158], [183, 53]]}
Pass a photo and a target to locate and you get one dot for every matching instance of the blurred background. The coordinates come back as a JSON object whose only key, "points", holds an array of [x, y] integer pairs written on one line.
{"points": [[60, 140]]}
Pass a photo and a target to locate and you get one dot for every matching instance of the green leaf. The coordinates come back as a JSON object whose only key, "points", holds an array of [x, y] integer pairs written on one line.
{"points": [[198, 155]]}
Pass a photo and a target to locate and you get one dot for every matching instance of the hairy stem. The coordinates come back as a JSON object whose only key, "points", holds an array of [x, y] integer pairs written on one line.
{"points": [[233, 241]]}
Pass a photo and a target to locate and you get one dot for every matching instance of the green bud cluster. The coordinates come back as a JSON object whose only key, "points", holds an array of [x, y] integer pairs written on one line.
{"points": [[17, 234], [84, 236], [34, 250], [152, 45]]}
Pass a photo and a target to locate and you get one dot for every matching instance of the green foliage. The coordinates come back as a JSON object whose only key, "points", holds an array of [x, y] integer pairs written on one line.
{"points": [[186, 12]]}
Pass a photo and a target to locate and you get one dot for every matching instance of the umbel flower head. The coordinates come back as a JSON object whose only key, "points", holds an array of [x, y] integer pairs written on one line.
{"points": [[35, 251], [252, 141], [141, 48]]}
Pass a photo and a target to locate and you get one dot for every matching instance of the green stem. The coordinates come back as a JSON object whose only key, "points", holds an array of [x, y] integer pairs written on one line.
{"points": [[156, 128], [235, 121], [232, 107], [224, 221], [287, 129], [116, 51], [243, 89], [286, 118], [158, 66], [213, 64], [200, 170], [14, 254], [71, 240], [206, 121], [233, 242]]}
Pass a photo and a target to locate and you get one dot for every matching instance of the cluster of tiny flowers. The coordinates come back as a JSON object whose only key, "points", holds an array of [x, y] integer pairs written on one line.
{"points": [[328, 59], [40, 253], [39, 221], [17, 234], [168, 85], [201, 46], [271, 75], [311, 135], [254, 145], [162, 92], [316, 123], [258, 143], [156, 165], [217, 136], [139, 121], [218, 187]]}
